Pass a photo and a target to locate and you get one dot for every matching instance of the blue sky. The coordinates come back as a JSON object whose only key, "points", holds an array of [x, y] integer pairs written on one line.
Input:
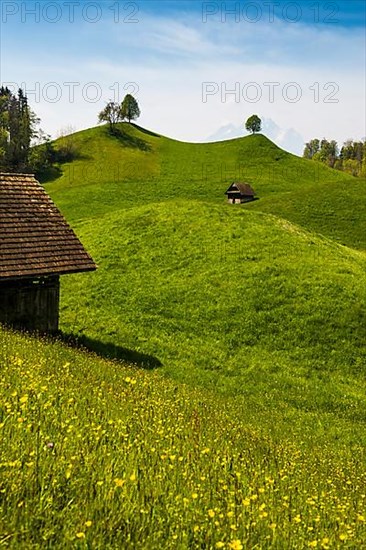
{"points": [[194, 67]]}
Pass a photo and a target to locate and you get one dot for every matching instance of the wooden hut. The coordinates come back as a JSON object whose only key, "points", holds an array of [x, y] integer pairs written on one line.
{"points": [[36, 246], [239, 192]]}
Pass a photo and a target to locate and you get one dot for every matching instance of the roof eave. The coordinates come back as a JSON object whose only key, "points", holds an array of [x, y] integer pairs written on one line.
{"points": [[46, 274]]}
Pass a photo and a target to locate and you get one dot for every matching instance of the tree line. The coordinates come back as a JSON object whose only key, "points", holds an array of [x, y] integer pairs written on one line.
{"points": [[350, 158]]}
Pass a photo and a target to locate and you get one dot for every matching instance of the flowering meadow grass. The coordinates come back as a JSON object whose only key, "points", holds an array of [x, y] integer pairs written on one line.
{"points": [[96, 454]]}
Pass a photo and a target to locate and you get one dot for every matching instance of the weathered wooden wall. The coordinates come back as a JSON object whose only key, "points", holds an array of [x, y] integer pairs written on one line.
{"points": [[31, 304], [239, 200]]}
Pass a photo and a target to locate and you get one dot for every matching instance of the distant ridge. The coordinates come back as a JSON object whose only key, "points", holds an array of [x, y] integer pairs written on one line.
{"points": [[288, 139]]}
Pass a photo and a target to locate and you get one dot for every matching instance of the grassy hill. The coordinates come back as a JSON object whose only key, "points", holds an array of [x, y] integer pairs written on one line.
{"points": [[138, 166], [240, 422]]}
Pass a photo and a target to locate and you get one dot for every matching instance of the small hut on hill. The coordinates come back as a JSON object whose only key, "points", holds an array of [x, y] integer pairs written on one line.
{"points": [[36, 246], [240, 192]]}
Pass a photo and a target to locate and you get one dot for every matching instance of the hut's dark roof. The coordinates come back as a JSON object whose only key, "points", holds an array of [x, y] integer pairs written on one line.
{"points": [[242, 187], [35, 239]]}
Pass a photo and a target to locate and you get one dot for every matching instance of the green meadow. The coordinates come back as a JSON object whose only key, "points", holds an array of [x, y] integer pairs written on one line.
{"points": [[218, 399], [97, 454]]}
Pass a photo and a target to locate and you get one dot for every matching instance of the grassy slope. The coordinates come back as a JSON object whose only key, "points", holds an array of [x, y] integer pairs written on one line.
{"points": [[94, 454], [237, 301]]}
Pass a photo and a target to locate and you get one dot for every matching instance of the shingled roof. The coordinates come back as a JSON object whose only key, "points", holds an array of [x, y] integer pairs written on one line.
{"points": [[244, 188], [35, 239]]}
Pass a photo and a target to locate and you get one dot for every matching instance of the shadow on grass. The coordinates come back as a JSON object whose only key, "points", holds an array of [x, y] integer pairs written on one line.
{"points": [[111, 351], [49, 174], [84, 343], [77, 155], [144, 130], [129, 141], [53, 172]]}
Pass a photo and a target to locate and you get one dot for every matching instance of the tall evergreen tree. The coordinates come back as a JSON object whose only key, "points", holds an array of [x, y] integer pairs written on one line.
{"points": [[17, 128], [4, 124]]}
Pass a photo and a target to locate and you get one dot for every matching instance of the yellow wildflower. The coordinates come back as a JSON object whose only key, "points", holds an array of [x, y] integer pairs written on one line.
{"points": [[119, 482]]}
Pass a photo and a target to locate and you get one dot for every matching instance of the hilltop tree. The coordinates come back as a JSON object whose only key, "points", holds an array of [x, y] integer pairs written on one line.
{"points": [[130, 108], [253, 124], [112, 113]]}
